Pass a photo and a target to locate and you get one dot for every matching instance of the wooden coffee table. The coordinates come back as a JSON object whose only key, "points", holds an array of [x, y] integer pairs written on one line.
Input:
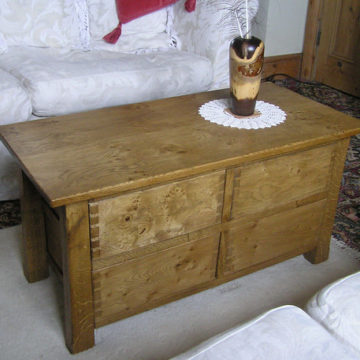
{"points": [[142, 204]]}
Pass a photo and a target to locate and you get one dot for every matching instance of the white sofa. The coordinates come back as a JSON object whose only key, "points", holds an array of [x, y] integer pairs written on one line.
{"points": [[53, 60], [328, 330]]}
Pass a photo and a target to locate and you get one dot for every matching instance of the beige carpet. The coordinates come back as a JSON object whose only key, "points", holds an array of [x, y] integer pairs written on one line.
{"points": [[31, 325]]}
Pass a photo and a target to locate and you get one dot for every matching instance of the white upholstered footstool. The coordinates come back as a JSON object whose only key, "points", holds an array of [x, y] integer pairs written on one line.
{"points": [[337, 308], [283, 333]]}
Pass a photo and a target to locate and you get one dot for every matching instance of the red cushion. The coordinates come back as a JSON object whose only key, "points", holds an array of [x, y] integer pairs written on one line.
{"points": [[128, 10]]}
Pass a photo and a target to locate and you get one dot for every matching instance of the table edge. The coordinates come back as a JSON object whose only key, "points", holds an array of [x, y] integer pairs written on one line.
{"points": [[181, 174]]}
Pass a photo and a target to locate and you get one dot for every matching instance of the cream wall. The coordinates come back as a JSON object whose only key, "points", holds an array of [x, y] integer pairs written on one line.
{"points": [[281, 24]]}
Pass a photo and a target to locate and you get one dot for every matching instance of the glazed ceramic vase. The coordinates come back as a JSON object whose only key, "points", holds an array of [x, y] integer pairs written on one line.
{"points": [[246, 64]]}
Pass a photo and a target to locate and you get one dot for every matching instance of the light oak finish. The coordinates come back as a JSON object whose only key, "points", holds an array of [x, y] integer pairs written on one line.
{"points": [[34, 261], [277, 181], [55, 234], [145, 217], [289, 64], [78, 292], [332, 44], [312, 29], [147, 203], [142, 283], [338, 60], [253, 241], [228, 195], [322, 250], [150, 143]]}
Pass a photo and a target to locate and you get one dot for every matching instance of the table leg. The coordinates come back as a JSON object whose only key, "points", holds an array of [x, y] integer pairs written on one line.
{"points": [[321, 252], [79, 312], [34, 255]]}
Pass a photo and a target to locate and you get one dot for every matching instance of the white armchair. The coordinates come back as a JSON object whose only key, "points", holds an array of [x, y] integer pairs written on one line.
{"points": [[200, 32], [59, 64]]}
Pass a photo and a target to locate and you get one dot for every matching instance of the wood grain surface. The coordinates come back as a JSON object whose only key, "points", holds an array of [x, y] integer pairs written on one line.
{"points": [[153, 203], [34, 256], [253, 241], [264, 185], [321, 252], [55, 234], [144, 282], [310, 39], [78, 296], [145, 217], [338, 54], [289, 64], [104, 152]]}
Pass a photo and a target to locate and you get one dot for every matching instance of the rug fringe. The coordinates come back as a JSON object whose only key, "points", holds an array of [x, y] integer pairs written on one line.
{"points": [[355, 254]]}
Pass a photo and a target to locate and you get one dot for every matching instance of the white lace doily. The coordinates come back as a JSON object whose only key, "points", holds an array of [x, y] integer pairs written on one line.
{"points": [[266, 115]]}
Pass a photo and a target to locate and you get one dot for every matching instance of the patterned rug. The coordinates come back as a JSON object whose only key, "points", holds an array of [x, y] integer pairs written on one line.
{"points": [[347, 221], [9, 213]]}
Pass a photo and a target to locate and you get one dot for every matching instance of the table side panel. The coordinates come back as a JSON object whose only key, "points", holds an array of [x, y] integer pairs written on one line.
{"points": [[55, 233], [34, 260], [321, 252]]}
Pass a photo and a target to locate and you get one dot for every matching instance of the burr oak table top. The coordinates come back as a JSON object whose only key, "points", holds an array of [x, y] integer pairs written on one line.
{"points": [[104, 152]]}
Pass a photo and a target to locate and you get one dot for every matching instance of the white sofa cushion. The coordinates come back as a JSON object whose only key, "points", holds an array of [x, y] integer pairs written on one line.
{"points": [[15, 106], [62, 82], [200, 32], [3, 44], [146, 32], [337, 307], [282, 333], [54, 23]]}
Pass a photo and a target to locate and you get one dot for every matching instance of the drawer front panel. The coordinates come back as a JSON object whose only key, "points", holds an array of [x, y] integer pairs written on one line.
{"points": [[137, 285], [146, 217], [252, 242], [269, 184]]}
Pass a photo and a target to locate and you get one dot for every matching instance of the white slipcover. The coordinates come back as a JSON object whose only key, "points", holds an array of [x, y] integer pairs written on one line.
{"points": [[337, 308], [146, 32], [15, 106], [54, 49], [282, 333], [3, 44], [63, 81], [41, 22], [202, 32]]}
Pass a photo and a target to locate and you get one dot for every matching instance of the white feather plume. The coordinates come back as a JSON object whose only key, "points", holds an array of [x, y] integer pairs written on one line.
{"points": [[238, 15]]}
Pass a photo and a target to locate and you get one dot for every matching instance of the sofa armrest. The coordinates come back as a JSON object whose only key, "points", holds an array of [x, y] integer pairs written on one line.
{"points": [[199, 32], [336, 307]]}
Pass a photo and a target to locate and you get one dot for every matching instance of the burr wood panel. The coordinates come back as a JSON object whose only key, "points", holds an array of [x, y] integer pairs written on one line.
{"points": [[149, 216], [145, 282], [273, 183]]}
